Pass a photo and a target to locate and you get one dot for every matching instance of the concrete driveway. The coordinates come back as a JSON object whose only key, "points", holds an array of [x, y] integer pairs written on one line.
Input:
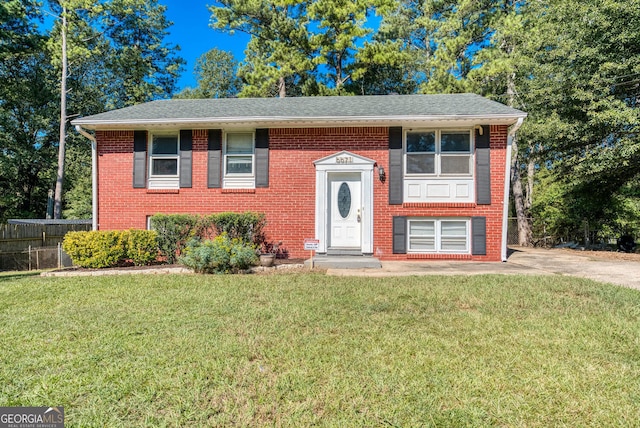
{"points": [[521, 261]]}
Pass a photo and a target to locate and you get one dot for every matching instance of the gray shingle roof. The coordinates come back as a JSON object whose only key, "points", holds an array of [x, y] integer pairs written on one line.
{"points": [[356, 108]]}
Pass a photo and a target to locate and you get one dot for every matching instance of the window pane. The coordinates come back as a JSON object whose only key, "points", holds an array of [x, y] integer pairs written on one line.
{"points": [[454, 164], [454, 244], [453, 228], [455, 142], [164, 145], [420, 164], [421, 142], [240, 143], [422, 228], [422, 243], [239, 165], [164, 166]]}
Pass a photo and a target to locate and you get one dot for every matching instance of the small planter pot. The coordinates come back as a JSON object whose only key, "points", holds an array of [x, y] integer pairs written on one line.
{"points": [[267, 260]]}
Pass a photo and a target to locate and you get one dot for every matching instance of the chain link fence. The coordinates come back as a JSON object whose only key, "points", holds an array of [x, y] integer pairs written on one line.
{"points": [[32, 244], [35, 258]]}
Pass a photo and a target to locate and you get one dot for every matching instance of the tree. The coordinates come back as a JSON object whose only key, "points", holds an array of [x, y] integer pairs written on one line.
{"points": [[585, 94], [73, 21], [435, 41], [26, 107], [299, 47], [17, 32], [502, 69], [340, 25], [216, 72], [142, 66], [27, 157], [134, 65], [279, 49]]}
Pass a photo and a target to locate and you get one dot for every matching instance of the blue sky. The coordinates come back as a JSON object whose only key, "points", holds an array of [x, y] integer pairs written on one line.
{"points": [[191, 31]]}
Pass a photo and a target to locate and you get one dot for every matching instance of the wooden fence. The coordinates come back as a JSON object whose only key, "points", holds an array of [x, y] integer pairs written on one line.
{"points": [[20, 243]]}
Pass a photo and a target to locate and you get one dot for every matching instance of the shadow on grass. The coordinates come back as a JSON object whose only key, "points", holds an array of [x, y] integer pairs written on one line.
{"points": [[11, 275]]}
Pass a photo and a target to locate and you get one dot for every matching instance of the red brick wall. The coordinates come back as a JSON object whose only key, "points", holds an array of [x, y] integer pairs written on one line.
{"points": [[289, 202]]}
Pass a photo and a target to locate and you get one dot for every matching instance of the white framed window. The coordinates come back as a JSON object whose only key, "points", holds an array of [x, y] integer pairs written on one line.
{"points": [[439, 235], [438, 153], [164, 160], [239, 154], [164, 155]]}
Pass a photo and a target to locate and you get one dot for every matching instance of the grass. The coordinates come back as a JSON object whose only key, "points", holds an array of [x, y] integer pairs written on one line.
{"points": [[308, 349]]}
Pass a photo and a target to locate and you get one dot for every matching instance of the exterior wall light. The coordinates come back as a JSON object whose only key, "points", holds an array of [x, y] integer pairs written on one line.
{"points": [[381, 174]]}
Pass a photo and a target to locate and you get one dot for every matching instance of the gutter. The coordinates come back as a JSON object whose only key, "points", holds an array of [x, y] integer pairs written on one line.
{"points": [[286, 121], [94, 177], [507, 185]]}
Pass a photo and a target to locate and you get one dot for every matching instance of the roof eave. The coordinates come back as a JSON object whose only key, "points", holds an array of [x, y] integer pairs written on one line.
{"points": [[208, 122]]}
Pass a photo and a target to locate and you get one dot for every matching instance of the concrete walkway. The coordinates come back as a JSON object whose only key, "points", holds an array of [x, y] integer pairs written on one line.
{"points": [[522, 261]]}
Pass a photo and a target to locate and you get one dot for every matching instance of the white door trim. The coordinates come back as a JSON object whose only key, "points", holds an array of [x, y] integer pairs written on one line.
{"points": [[350, 163]]}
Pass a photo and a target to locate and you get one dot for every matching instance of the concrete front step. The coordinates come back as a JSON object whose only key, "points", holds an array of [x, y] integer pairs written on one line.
{"points": [[344, 262]]}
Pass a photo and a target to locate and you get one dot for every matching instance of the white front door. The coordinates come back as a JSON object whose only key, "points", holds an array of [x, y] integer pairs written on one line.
{"points": [[345, 210]]}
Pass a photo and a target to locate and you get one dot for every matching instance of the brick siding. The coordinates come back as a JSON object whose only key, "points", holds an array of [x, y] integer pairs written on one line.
{"points": [[289, 201]]}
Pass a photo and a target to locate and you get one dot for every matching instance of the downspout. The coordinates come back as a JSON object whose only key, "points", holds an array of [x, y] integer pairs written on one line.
{"points": [[507, 185], [94, 177]]}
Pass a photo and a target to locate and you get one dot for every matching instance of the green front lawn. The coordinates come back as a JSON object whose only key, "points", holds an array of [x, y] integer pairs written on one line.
{"points": [[309, 349]]}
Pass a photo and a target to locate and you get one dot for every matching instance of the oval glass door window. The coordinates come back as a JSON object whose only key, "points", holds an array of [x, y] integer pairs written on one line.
{"points": [[344, 200]]}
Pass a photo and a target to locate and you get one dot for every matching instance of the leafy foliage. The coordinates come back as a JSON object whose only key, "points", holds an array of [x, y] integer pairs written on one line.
{"points": [[247, 226], [216, 72], [223, 254], [300, 47], [141, 246], [143, 66], [174, 230], [101, 249]]}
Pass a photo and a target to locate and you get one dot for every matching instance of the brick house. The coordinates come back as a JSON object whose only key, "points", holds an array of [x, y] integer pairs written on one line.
{"points": [[395, 176]]}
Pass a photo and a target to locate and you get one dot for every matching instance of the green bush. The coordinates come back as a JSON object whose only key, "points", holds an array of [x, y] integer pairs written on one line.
{"points": [[101, 249], [248, 226], [95, 249], [141, 246], [174, 230], [219, 255]]}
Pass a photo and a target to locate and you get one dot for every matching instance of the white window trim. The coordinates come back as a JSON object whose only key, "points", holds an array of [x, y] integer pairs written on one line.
{"points": [[163, 181], [438, 235], [239, 180], [438, 153]]}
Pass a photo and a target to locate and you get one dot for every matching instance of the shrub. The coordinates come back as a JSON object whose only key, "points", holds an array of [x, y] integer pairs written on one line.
{"points": [[100, 249], [141, 246], [174, 230], [247, 226], [95, 249], [220, 255]]}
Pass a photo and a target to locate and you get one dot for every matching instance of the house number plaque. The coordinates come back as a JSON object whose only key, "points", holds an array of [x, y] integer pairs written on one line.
{"points": [[344, 159]]}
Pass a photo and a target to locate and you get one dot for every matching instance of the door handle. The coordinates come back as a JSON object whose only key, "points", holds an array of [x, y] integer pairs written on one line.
{"points": [[359, 217]]}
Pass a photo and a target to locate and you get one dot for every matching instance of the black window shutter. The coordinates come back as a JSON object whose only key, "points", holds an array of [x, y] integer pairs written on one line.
{"points": [[395, 166], [186, 157], [400, 235], [139, 159], [483, 167], [214, 159], [479, 236], [262, 158]]}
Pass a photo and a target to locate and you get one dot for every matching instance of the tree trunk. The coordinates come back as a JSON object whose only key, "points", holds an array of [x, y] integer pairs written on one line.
{"points": [[524, 227], [282, 88], [57, 209], [517, 190], [531, 169]]}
